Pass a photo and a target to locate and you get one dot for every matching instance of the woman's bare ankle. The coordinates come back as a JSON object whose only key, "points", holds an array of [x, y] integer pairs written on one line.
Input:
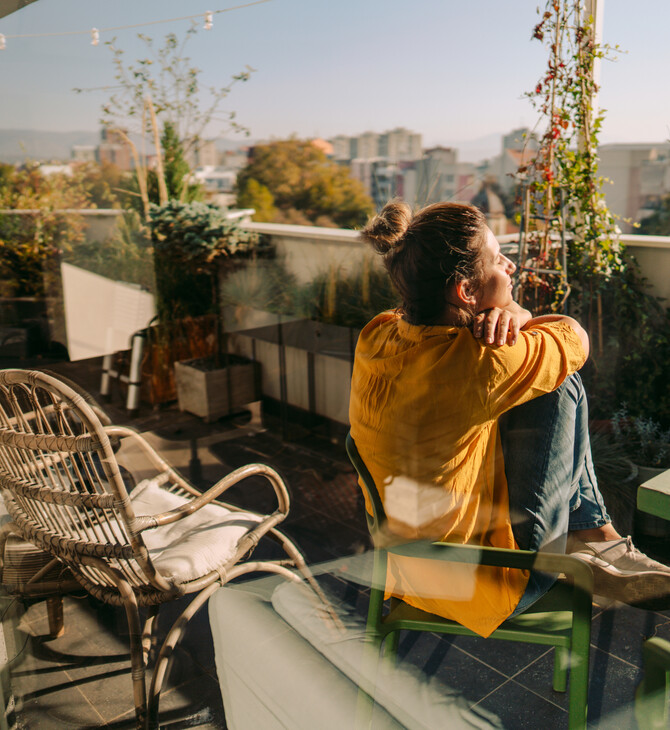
{"points": [[597, 534]]}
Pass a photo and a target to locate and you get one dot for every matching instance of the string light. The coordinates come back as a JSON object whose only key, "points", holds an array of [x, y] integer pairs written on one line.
{"points": [[95, 36], [209, 16]]}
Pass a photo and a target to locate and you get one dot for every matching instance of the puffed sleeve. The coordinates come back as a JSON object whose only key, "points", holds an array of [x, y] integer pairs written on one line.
{"points": [[538, 363]]}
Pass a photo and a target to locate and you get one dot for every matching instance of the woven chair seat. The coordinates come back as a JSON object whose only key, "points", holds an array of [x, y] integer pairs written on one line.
{"points": [[195, 545]]}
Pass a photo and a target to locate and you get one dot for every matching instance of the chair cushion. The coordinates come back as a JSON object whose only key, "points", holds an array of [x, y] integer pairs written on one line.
{"points": [[415, 700], [195, 545]]}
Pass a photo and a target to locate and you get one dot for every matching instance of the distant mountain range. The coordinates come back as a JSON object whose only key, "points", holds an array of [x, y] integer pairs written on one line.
{"points": [[19, 145]]}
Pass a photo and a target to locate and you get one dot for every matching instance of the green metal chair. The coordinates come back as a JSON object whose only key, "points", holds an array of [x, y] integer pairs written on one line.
{"points": [[651, 697], [561, 618]]}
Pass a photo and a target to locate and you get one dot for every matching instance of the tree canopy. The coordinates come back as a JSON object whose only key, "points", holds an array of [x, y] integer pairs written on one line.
{"points": [[303, 185]]}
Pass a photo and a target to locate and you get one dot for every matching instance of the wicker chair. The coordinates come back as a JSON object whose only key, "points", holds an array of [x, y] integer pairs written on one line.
{"points": [[62, 486]]}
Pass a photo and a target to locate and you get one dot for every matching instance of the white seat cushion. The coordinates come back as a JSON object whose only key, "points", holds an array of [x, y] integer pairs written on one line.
{"points": [[195, 545], [415, 700]]}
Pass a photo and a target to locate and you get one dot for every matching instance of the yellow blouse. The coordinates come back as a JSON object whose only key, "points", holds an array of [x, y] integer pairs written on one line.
{"points": [[424, 408]]}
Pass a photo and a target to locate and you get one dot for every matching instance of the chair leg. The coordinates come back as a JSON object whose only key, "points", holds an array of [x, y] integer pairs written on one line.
{"points": [[391, 646], [651, 697], [129, 600], [136, 656], [148, 633], [55, 616], [561, 659], [165, 653], [579, 660]]}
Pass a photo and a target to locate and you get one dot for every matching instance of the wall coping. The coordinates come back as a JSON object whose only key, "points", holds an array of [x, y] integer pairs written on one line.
{"points": [[342, 235]]}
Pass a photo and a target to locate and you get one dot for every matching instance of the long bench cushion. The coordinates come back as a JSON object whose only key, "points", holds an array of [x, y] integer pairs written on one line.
{"points": [[272, 678], [403, 690]]}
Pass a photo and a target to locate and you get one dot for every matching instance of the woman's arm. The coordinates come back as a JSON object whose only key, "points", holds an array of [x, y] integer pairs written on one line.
{"points": [[581, 332], [499, 326]]}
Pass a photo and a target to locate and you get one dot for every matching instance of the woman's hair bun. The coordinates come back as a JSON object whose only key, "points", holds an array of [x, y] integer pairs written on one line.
{"points": [[386, 230]]}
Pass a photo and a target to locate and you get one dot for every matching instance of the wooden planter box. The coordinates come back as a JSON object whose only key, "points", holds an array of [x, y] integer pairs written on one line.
{"points": [[211, 392]]}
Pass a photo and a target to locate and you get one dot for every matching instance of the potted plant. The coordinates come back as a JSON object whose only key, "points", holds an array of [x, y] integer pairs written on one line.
{"points": [[195, 246], [647, 445], [645, 442]]}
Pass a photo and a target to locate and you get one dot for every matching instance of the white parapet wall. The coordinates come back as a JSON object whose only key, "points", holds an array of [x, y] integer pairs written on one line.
{"points": [[311, 250], [653, 255]]}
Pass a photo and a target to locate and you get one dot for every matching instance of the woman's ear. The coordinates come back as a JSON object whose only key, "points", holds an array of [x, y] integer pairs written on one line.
{"points": [[465, 293]]}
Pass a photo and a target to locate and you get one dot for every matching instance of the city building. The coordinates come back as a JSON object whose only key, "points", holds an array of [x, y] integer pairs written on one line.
{"points": [[114, 149], [638, 175]]}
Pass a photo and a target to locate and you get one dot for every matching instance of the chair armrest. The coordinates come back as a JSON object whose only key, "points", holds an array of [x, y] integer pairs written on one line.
{"points": [[221, 486], [579, 572]]}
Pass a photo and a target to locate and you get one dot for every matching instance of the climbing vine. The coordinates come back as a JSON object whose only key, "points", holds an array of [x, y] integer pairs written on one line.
{"points": [[571, 256], [563, 188]]}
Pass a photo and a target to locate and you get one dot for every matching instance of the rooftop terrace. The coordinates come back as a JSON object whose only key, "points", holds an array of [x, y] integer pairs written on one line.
{"points": [[82, 679]]}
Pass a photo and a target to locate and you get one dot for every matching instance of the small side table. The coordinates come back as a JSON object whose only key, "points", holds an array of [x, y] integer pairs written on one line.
{"points": [[653, 497]]}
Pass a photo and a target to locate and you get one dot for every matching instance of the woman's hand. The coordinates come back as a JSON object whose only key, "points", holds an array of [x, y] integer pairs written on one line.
{"points": [[499, 326]]}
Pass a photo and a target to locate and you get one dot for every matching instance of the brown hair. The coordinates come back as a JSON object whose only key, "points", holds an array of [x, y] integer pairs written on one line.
{"points": [[428, 251]]}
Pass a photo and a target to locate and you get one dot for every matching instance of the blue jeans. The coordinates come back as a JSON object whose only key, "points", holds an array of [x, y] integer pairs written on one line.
{"points": [[550, 476]]}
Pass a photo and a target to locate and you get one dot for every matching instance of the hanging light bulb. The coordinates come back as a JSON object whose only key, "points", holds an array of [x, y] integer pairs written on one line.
{"points": [[209, 16], [2, 42], [95, 36]]}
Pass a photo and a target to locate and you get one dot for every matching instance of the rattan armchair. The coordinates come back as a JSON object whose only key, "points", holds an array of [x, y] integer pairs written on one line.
{"points": [[63, 488]]}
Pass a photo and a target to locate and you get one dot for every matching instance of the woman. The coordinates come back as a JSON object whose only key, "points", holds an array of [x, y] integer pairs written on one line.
{"points": [[471, 418]]}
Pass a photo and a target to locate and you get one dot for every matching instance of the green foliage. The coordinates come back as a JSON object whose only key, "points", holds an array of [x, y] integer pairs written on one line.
{"points": [[348, 300], [103, 184], [264, 284], [176, 169], [351, 300], [192, 241], [644, 441], [126, 256], [252, 194], [301, 178], [630, 330], [30, 243], [565, 187]]}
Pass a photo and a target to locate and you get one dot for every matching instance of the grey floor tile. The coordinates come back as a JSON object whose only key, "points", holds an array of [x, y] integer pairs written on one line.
{"points": [[196, 703], [437, 658], [621, 631], [520, 709], [508, 657], [612, 684], [46, 697]]}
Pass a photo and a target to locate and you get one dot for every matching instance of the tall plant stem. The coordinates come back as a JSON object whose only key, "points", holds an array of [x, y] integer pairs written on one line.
{"points": [[160, 172]]}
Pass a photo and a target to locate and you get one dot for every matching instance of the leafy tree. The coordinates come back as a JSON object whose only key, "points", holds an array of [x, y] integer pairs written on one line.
{"points": [[30, 243], [168, 77], [255, 195], [176, 169], [658, 223], [103, 183], [301, 178]]}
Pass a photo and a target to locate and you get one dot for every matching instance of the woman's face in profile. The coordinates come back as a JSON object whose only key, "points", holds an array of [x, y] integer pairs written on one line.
{"points": [[495, 287]]}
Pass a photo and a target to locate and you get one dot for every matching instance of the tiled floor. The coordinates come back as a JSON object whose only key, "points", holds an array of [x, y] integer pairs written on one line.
{"points": [[82, 679]]}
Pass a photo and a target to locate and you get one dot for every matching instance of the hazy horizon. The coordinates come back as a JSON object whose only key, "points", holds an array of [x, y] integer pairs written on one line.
{"points": [[455, 72]]}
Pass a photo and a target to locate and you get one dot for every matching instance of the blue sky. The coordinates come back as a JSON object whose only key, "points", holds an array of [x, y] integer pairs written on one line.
{"points": [[453, 71]]}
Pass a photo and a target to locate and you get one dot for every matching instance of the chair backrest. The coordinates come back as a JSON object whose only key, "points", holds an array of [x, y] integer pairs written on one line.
{"points": [[61, 482], [376, 520]]}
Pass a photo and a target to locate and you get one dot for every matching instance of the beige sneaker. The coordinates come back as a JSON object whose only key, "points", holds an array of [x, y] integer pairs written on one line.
{"points": [[622, 572]]}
